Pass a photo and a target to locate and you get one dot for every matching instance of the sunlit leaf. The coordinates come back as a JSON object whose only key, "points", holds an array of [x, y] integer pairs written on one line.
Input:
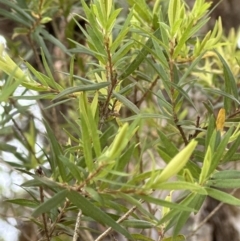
{"points": [[177, 163], [81, 88]]}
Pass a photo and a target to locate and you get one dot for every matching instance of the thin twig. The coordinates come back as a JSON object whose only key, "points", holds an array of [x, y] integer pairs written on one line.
{"points": [[36, 55], [139, 102], [39, 172], [197, 131], [234, 114], [43, 215], [59, 217], [214, 211], [112, 78], [118, 221], [78, 222], [172, 90], [181, 132], [30, 40], [89, 178]]}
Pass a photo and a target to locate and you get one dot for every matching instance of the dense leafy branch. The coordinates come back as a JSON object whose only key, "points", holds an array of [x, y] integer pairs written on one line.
{"points": [[147, 106]]}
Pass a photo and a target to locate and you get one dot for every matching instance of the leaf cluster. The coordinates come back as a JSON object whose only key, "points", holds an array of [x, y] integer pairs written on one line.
{"points": [[151, 91]]}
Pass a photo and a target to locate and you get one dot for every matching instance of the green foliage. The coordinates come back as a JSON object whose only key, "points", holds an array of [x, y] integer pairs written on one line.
{"points": [[129, 106]]}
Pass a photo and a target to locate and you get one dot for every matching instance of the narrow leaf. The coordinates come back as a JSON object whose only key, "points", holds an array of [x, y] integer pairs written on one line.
{"points": [[223, 196], [126, 102], [226, 174], [80, 88], [232, 150], [95, 213], [165, 203], [56, 151], [135, 223], [177, 238], [140, 57], [51, 203], [141, 237], [24, 202], [224, 183], [180, 185]]}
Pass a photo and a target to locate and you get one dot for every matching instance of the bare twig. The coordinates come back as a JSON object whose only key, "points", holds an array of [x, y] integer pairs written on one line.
{"points": [[43, 215], [214, 211], [125, 216], [78, 222]]}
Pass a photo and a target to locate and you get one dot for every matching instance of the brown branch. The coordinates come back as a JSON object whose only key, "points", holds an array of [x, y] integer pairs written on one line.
{"points": [[39, 172], [181, 131], [172, 91], [88, 179], [36, 55], [197, 131], [234, 114], [49, 233], [139, 102], [38, 18], [44, 218], [112, 78]]}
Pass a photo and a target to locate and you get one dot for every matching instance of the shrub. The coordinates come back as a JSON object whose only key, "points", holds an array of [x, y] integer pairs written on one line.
{"points": [[136, 89]]}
